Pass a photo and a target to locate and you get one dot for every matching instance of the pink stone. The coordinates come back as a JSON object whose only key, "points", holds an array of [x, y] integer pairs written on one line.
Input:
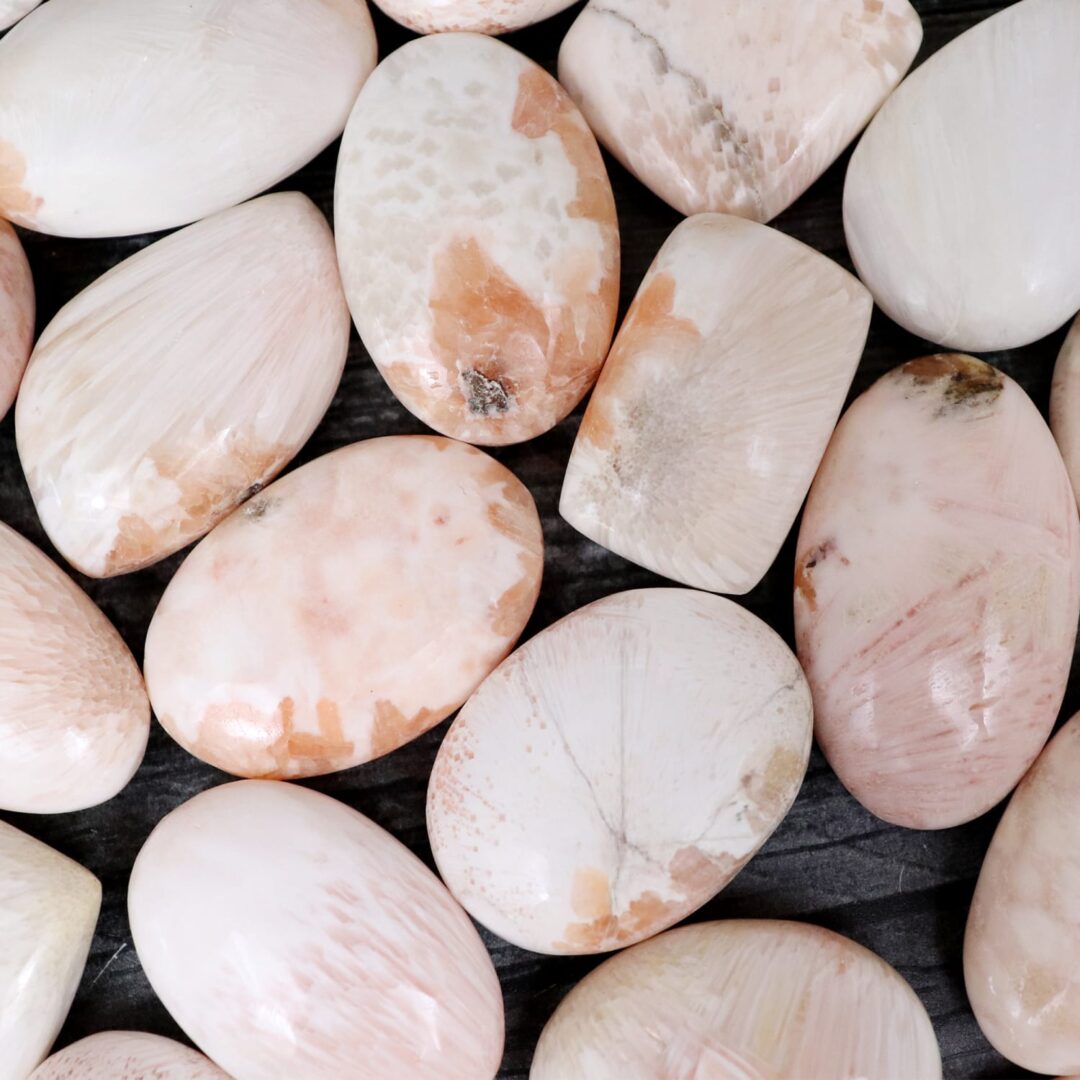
{"points": [[1065, 404], [16, 314], [127, 1055], [937, 595]]}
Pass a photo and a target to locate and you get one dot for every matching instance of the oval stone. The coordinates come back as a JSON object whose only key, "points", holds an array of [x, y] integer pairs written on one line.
{"points": [[937, 597], [127, 1055], [1065, 405], [960, 208], [17, 305], [332, 952], [477, 238], [479, 16], [181, 381], [346, 609], [169, 112], [658, 690], [73, 733], [740, 1000], [1022, 949]]}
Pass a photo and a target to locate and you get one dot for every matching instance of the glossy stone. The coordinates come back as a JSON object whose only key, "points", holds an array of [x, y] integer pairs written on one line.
{"points": [[127, 1055], [48, 908], [346, 609], [291, 937], [477, 238], [481, 16], [936, 596], [1065, 405], [716, 403], [16, 314], [11, 11], [960, 207], [740, 1000], [181, 382], [618, 770], [729, 105], [168, 112], [74, 716]]}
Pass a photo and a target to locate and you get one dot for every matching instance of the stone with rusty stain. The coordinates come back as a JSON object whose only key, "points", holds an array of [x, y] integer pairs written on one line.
{"points": [[477, 238], [671, 731], [1065, 405], [127, 1055], [475, 16], [346, 609], [293, 939], [937, 591], [729, 106], [167, 391]]}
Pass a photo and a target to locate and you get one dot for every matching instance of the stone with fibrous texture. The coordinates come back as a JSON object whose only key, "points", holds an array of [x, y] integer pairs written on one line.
{"points": [[127, 1055], [167, 111], [960, 206], [477, 238], [729, 105], [17, 307], [1065, 405], [479, 16], [716, 404], [936, 591], [654, 691], [339, 955], [346, 609], [740, 1000], [180, 382], [48, 909], [74, 716]]}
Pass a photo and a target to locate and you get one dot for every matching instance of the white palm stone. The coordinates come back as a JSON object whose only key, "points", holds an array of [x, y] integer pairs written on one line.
{"points": [[479, 16], [11, 11]]}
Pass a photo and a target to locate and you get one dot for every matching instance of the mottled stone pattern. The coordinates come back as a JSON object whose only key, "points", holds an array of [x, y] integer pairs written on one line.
{"points": [[16, 314], [127, 1055], [479, 16]]}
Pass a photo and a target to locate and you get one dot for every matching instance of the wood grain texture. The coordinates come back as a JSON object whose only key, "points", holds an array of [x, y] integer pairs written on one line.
{"points": [[903, 894]]}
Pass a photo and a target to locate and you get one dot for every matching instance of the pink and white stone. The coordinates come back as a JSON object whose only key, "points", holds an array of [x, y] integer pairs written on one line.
{"points": [[1065, 405], [960, 206], [346, 609], [477, 237], [168, 112], [127, 1055], [48, 909], [740, 1000], [937, 597], [735, 106], [479, 16], [74, 717], [181, 381], [11, 11], [670, 729], [1022, 949], [17, 306], [738, 351], [340, 955]]}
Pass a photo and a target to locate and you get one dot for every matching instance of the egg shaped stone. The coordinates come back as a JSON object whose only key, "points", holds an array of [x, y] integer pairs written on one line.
{"points": [[168, 112], [960, 208], [289, 936], [127, 1055], [182, 381], [936, 597], [17, 307], [477, 238], [480, 16], [670, 729], [1065, 405], [346, 609], [1022, 948], [740, 1000], [74, 717]]}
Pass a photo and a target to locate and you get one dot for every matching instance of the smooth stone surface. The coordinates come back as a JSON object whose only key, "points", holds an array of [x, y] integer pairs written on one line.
{"points": [[480, 16], [16, 314], [477, 237], [11, 11], [716, 403], [740, 1000], [127, 1055], [74, 716], [1065, 405], [291, 937], [181, 382], [48, 908], [936, 596], [1022, 948], [346, 609], [960, 206], [618, 770], [735, 106], [168, 112]]}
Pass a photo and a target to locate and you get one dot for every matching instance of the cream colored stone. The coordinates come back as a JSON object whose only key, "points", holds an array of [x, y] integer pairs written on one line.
{"points": [[127, 1055], [480, 16]]}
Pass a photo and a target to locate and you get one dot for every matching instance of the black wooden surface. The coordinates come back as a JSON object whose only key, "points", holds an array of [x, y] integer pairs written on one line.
{"points": [[903, 894]]}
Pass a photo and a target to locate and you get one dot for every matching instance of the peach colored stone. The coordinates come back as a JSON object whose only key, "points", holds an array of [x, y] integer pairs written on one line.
{"points": [[127, 1055], [16, 315], [1065, 404], [740, 1000], [346, 609], [732, 106], [477, 237], [74, 717], [716, 403], [936, 591], [479, 16], [290, 937], [618, 770]]}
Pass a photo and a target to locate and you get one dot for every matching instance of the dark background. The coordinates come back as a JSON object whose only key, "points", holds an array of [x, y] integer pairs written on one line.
{"points": [[903, 894]]}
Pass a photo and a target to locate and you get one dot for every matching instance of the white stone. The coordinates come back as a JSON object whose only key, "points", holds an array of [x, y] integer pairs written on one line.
{"points": [[480, 16]]}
